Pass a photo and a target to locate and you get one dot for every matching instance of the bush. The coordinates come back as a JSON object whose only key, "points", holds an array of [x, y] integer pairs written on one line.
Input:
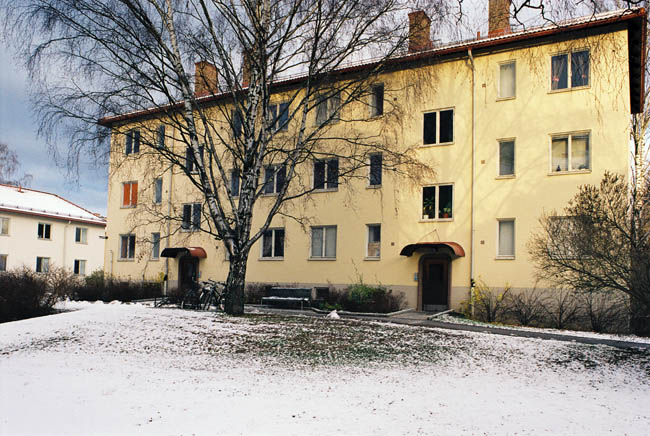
{"points": [[253, 292], [605, 311], [25, 294], [363, 298], [489, 304], [526, 306], [562, 309], [96, 287]]}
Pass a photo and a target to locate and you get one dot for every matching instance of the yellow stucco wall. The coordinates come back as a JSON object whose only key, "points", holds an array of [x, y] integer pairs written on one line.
{"points": [[602, 109]]}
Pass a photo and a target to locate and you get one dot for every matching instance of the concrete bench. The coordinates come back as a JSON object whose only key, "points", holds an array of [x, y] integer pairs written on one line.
{"points": [[288, 297]]}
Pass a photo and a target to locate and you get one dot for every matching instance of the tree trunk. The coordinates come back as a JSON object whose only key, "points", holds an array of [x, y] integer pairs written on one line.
{"points": [[234, 304]]}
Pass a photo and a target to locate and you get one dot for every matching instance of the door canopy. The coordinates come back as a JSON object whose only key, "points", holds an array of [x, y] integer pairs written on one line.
{"points": [[451, 249], [191, 251]]}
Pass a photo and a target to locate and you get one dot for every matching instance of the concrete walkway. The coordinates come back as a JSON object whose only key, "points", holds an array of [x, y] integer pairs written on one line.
{"points": [[421, 319]]}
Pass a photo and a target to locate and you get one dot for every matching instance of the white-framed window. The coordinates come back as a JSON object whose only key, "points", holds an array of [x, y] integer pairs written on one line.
{"points": [[278, 116], [235, 180], [81, 235], [377, 100], [42, 264], [374, 175], [155, 245], [273, 244], [160, 139], [570, 70], [328, 108], [191, 217], [44, 231], [506, 157], [506, 238], [3, 262], [326, 174], [507, 80], [127, 246], [157, 190], [274, 178], [79, 267], [190, 162], [570, 152], [4, 226], [129, 194], [323, 242], [373, 249], [438, 127], [438, 202], [132, 142]]}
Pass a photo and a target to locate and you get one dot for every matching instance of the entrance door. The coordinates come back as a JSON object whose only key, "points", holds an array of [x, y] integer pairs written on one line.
{"points": [[434, 274], [188, 267]]}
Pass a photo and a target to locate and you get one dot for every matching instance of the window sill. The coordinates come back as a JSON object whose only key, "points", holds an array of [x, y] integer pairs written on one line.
{"points": [[371, 259], [373, 187], [44, 239], [269, 194], [505, 177], [435, 220], [272, 259], [189, 230], [564, 173], [326, 190], [154, 259], [126, 260], [81, 243], [504, 258], [442, 144], [568, 89], [128, 207], [505, 98], [322, 258]]}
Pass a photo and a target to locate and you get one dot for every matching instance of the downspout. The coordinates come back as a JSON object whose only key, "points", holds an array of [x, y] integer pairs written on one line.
{"points": [[472, 225], [169, 214]]}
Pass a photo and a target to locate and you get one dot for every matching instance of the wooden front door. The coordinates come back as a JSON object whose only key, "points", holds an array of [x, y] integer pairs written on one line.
{"points": [[434, 284], [188, 268]]}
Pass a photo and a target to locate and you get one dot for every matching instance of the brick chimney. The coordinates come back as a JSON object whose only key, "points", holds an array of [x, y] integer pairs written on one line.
{"points": [[419, 31], [499, 18], [206, 81], [245, 69]]}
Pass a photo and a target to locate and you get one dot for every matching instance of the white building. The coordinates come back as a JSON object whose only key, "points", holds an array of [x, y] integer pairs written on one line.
{"points": [[40, 230]]}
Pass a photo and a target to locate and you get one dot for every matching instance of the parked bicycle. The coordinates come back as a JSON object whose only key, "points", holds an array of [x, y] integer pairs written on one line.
{"points": [[213, 294]]}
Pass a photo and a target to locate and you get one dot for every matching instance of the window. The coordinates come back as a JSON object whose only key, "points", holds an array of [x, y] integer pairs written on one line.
{"points": [[3, 262], [437, 202], [328, 108], [439, 127], [570, 153], [42, 264], [190, 161], [326, 174], [574, 65], [237, 123], [132, 142], [127, 246], [129, 194], [155, 245], [506, 239], [507, 80], [161, 136], [323, 242], [80, 267], [507, 158], [44, 230], [279, 116], [375, 169], [4, 226], [157, 191], [81, 235], [274, 178], [273, 244], [234, 182], [377, 100], [191, 216], [374, 241]]}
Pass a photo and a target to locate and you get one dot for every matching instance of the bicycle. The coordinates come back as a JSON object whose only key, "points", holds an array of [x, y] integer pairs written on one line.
{"points": [[192, 298], [212, 294]]}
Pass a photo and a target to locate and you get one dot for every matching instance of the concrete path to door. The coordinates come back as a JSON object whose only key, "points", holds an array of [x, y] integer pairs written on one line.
{"points": [[421, 319]]}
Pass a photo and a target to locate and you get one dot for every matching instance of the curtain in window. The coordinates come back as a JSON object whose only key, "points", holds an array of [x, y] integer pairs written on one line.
{"points": [[559, 154], [507, 80], [580, 68], [506, 158], [267, 244], [330, 242], [375, 169], [319, 174], [268, 179], [234, 182], [316, 242], [559, 72], [333, 173], [580, 152], [506, 238], [278, 243]]}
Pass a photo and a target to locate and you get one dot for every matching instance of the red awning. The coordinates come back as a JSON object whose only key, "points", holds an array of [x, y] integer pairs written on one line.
{"points": [[192, 251], [452, 249]]}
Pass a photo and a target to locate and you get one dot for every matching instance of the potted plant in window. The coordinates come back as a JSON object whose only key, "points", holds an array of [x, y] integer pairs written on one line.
{"points": [[446, 211], [429, 208]]}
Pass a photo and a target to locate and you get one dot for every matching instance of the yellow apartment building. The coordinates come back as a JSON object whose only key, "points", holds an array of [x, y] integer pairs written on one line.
{"points": [[511, 125]]}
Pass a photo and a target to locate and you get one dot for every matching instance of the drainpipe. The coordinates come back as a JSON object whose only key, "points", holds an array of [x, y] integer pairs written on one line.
{"points": [[472, 224], [169, 214]]}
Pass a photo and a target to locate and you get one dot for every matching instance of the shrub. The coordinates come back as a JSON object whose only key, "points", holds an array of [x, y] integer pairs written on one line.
{"points": [[526, 306], [605, 311], [562, 309], [253, 292], [25, 294], [489, 304], [363, 298], [96, 287]]}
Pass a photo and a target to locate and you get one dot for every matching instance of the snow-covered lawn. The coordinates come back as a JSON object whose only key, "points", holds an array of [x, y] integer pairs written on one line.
{"points": [[129, 369]]}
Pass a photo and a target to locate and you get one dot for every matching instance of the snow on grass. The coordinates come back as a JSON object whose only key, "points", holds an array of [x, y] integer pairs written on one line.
{"points": [[127, 369]]}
